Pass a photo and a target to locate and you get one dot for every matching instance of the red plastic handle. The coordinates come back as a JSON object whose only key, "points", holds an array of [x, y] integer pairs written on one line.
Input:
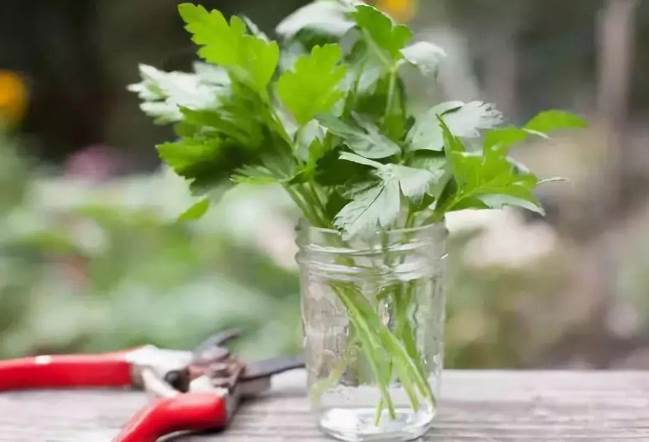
{"points": [[102, 370], [185, 412]]}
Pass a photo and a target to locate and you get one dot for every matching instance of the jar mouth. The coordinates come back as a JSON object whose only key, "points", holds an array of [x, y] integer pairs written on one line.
{"points": [[319, 240], [433, 227], [407, 252]]}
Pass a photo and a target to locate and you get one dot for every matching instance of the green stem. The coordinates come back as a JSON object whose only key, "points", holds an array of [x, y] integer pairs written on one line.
{"points": [[441, 211], [318, 203], [391, 92], [298, 198], [403, 328], [389, 344], [370, 344]]}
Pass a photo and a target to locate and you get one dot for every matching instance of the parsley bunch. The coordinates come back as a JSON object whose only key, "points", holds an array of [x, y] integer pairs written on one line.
{"points": [[326, 117]]}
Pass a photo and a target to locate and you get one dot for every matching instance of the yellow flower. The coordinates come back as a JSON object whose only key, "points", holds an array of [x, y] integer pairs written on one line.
{"points": [[13, 97], [401, 10]]}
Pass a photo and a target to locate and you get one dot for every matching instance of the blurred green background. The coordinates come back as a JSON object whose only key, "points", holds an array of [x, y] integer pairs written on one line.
{"points": [[92, 257]]}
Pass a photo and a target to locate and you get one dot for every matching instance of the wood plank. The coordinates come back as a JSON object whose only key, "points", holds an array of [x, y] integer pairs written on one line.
{"points": [[475, 406]]}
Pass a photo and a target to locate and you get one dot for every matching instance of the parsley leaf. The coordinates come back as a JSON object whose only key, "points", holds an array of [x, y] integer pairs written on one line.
{"points": [[249, 59], [192, 159], [463, 120], [470, 118], [313, 86], [164, 93], [326, 16], [196, 211], [309, 142], [386, 38], [553, 120], [541, 125], [365, 138], [504, 137], [374, 206], [348, 156], [254, 174], [486, 178], [425, 56], [377, 204], [426, 133], [414, 183]]}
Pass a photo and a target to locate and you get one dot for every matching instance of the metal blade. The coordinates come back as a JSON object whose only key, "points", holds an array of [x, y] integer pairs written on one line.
{"points": [[212, 348], [269, 367]]}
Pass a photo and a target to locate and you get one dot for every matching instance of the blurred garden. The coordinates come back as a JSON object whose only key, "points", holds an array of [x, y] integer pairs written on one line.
{"points": [[94, 257]]}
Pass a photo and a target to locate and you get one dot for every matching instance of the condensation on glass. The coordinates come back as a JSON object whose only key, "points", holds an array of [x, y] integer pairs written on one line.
{"points": [[386, 294]]}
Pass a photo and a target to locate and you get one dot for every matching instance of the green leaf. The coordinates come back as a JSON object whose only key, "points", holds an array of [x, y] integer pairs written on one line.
{"points": [[365, 68], [254, 29], [164, 93], [204, 161], [430, 161], [463, 120], [425, 56], [553, 120], [195, 212], [310, 148], [487, 178], [377, 205], [414, 183], [331, 171], [365, 139], [499, 201], [436, 164], [385, 37], [249, 59], [309, 142], [374, 206], [326, 16], [542, 125], [504, 137], [313, 86], [470, 118], [348, 156], [226, 121], [254, 174], [190, 158], [493, 181], [426, 133]]}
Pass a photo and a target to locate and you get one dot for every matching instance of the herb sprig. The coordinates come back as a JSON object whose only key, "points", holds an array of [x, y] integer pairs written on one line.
{"points": [[326, 117]]}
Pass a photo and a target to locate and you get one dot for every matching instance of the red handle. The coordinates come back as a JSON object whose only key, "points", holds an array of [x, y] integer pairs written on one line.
{"points": [[185, 412], [103, 370]]}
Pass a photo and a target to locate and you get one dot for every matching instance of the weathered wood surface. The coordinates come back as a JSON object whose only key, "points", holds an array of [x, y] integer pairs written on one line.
{"points": [[475, 406]]}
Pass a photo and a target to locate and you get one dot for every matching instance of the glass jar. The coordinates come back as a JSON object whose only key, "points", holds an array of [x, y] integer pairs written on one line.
{"points": [[373, 319]]}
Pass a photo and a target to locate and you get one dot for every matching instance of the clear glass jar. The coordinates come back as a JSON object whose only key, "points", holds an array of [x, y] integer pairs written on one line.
{"points": [[373, 316]]}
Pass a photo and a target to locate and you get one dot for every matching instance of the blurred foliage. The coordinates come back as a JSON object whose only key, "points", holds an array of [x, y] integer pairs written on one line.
{"points": [[102, 266]]}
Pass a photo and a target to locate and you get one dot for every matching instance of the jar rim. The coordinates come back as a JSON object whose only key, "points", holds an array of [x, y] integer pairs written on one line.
{"points": [[317, 243], [440, 225]]}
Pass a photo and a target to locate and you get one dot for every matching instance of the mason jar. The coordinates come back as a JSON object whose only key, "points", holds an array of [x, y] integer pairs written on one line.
{"points": [[373, 315]]}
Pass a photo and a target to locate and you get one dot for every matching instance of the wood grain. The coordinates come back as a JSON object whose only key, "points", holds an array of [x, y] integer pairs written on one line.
{"points": [[475, 406]]}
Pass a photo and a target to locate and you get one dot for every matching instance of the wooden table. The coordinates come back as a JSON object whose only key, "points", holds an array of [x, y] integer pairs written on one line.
{"points": [[475, 406]]}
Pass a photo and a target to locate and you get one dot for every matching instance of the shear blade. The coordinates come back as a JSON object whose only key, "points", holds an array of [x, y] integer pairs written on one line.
{"points": [[269, 367]]}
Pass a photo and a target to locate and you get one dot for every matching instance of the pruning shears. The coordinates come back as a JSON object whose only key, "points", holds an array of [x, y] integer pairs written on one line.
{"points": [[196, 390]]}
